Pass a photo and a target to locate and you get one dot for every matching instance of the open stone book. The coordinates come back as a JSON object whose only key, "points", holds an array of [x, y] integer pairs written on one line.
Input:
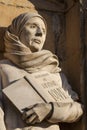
{"points": [[36, 88]]}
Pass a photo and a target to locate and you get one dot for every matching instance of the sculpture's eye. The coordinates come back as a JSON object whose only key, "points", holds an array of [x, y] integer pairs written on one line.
{"points": [[32, 26], [44, 30]]}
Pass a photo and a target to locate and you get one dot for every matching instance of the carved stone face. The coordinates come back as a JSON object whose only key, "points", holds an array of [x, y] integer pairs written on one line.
{"points": [[33, 34]]}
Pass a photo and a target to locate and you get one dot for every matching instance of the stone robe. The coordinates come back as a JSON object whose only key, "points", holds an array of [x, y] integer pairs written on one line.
{"points": [[10, 118]]}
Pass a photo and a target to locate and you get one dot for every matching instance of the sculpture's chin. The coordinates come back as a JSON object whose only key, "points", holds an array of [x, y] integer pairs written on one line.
{"points": [[35, 48]]}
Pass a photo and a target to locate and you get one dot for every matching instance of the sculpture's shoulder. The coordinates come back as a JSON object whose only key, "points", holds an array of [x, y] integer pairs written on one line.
{"points": [[8, 66], [9, 72], [5, 62]]}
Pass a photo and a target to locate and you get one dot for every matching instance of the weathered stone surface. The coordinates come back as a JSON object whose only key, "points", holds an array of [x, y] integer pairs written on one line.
{"points": [[72, 63], [40, 4]]}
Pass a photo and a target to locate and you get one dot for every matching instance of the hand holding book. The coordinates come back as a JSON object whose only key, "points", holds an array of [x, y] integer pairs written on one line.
{"points": [[37, 113]]}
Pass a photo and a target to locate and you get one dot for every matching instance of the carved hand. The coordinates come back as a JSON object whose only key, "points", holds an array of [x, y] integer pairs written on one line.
{"points": [[36, 113]]}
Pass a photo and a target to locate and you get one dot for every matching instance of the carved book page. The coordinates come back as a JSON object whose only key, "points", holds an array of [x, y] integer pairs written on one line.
{"points": [[37, 88], [49, 86], [21, 94]]}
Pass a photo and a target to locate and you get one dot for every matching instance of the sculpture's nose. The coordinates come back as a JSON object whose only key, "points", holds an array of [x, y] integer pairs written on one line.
{"points": [[39, 32]]}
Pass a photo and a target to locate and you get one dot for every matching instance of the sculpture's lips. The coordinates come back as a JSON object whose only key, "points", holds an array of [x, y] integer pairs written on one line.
{"points": [[37, 41]]}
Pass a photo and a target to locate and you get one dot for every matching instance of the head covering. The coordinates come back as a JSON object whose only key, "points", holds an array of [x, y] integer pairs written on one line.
{"points": [[19, 22], [21, 55]]}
